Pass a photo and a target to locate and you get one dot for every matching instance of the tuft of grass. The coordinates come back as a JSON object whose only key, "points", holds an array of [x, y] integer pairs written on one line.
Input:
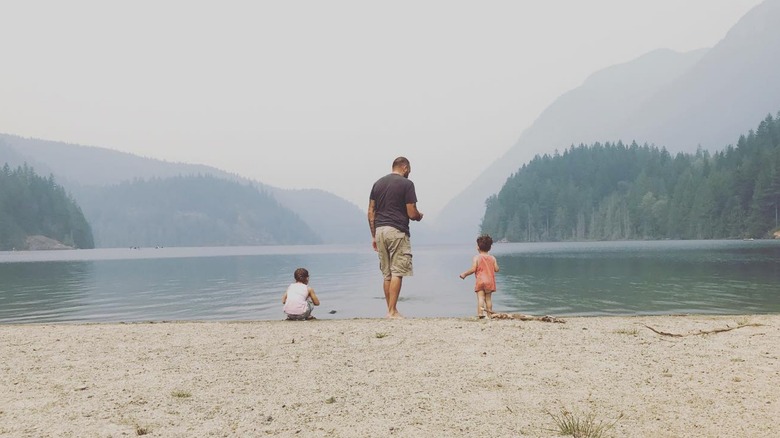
{"points": [[577, 426], [181, 394], [632, 332], [142, 430], [380, 335]]}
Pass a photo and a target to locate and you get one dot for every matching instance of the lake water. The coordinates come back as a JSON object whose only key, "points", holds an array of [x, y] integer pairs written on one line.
{"points": [[246, 283]]}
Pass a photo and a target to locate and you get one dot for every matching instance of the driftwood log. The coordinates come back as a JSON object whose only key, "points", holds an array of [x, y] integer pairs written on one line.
{"points": [[702, 332], [521, 317]]}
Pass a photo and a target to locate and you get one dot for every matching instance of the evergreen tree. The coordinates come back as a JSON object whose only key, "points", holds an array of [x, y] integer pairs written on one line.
{"points": [[616, 191], [32, 205]]}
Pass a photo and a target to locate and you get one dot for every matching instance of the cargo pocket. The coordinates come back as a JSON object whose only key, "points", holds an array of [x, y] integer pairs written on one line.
{"points": [[405, 263]]}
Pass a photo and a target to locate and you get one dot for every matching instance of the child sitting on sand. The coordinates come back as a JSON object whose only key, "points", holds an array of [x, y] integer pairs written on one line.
{"points": [[299, 297], [484, 266]]}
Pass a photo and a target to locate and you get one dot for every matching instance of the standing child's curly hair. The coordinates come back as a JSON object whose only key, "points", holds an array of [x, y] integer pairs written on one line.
{"points": [[301, 274], [484, 242]]}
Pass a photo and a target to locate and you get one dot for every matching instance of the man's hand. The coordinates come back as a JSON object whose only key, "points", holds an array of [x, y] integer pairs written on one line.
{"points": [[413, 213]]}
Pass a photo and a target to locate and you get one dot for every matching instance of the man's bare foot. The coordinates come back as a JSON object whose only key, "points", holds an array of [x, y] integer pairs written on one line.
{"points": [[394, 315]]}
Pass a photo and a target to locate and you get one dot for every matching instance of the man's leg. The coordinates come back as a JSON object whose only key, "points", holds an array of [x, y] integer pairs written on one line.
{"points": [[395, 262], [386, 287], [392, 292]]}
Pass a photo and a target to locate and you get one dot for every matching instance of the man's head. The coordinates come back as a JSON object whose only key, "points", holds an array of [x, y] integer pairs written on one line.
{"points": [[401, 166]]}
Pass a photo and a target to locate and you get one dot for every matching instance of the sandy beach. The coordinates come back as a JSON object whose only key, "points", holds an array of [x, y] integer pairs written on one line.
{"points": [[372, 378]]}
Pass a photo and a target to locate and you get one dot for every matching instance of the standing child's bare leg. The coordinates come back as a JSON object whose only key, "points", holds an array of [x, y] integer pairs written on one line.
{"points": [[489, 303], [480, 303]]}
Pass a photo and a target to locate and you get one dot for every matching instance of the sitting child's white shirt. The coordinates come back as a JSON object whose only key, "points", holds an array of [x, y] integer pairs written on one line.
{"points": [[297, 299]]}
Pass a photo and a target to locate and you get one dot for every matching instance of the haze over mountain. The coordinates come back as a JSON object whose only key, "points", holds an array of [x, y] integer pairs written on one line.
{"points": [[675, 100], [721, 96], [650, 99], [193, 210], [83, 169]]}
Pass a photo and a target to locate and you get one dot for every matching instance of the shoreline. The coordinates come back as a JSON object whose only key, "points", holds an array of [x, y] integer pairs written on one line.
{"points": [[377, 377], [327, 318]]}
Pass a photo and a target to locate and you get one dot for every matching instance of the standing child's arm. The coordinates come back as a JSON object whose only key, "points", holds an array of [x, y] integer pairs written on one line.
{"points": [[495, 262], [471, 270], [313, 296]]}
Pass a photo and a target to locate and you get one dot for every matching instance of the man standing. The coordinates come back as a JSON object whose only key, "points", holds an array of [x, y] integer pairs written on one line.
{"points": [[392, 203]]}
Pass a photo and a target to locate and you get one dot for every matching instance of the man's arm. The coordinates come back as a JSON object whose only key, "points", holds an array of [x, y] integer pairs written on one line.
{"points": [[413, 213], [371, 222]]}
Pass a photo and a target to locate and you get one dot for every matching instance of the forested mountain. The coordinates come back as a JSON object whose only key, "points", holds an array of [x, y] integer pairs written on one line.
{"points": [[190, 211], [84, 170], [338, 221], [613, 191], [705, 98], [31, 205]]}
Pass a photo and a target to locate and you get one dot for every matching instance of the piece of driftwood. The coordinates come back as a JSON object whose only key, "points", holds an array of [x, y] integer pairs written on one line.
{"points": [[702, 332], [521, 317]]}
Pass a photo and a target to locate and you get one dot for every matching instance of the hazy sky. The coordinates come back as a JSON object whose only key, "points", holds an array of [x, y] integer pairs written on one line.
{"points": [[322, 94]]}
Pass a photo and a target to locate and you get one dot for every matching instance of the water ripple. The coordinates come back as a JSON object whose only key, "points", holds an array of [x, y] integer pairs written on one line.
{"points": [[600, 278]]}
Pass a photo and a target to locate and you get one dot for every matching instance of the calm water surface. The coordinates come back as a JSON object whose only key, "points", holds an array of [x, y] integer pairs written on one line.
{"points": [[246, 283]]}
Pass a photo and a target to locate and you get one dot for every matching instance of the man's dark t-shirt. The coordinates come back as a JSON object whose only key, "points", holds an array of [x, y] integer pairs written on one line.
{"points": [[390, 194]]}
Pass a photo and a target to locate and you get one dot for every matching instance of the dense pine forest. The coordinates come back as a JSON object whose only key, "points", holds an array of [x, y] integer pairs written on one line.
{"points": [[614, 191], [31, 205], [197, 210]]}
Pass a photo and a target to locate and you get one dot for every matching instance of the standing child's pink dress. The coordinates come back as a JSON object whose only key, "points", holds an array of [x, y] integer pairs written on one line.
{"points": [[485, 274]]}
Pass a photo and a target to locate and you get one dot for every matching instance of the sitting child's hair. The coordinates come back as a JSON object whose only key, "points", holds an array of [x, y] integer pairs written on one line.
{"points": [[301, 274], [484, 242]]}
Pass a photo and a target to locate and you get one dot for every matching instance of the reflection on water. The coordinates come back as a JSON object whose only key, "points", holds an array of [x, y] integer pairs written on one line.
{"points": [[644, 278], [168, 288], [42, 291], [602, 278]]}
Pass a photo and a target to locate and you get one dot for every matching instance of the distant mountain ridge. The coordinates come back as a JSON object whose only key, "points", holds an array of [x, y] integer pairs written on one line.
{"points": [[679, 101], [80, 169], [721, 96], [190, 211]]}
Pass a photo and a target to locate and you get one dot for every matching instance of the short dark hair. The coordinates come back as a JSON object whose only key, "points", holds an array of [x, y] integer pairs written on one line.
{"points": [[301, 274], [484, 242], [400, 161]]}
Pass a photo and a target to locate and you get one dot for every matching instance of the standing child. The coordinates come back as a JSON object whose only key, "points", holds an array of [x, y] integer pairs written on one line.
{"points": [[484, 266], [299, 297]]}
